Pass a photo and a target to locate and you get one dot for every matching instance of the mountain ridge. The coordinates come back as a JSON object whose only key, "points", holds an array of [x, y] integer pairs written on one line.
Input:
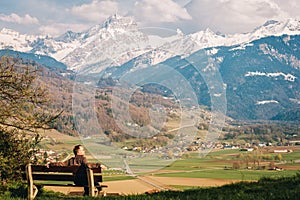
{"points": [[80, 50], [260, 69], [261, 79]]}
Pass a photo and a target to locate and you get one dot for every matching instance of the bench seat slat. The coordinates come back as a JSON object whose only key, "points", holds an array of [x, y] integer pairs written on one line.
{"points": [[61, 177], [53, 177]]}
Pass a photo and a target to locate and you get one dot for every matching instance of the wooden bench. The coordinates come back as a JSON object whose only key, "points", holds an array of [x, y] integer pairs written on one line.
{"points": [[38, 176]]}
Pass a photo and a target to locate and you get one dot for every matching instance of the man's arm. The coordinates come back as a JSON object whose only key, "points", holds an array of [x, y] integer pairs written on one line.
{"points": [[65, 163], [96, 165], [58, 164]]}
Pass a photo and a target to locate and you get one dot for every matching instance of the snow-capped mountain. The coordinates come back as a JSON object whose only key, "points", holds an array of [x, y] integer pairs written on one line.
{"points": [[260, 69], [10, 39], [208, 38], [44, 45], [119, 39], [262, 80], [112, 43]]}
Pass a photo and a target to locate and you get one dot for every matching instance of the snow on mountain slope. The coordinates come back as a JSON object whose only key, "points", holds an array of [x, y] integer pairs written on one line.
{"points": [[287, 77], [119, 39], [113, 43], [188, 44], [10, 39], [55, 48], [271, 28]]}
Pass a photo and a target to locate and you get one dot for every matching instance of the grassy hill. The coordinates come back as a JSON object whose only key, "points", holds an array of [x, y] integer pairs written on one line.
{"points": [[265, 188]]}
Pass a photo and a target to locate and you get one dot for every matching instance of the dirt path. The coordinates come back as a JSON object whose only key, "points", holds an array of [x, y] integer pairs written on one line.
{"points": [[149, 184], [197, 182], [160, 183]]}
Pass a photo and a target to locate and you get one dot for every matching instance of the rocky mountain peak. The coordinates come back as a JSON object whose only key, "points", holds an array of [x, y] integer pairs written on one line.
{"points": [[273, 27], [119, 22]]}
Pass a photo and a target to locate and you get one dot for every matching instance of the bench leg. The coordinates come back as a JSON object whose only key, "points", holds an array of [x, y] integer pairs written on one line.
{"points": [[96, 192], [32, 190], [90, 176], [101, 193]]}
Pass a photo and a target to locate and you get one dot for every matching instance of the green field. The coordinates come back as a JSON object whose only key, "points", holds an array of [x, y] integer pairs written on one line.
{"points": [[213, 166], [216, 165], [231, 174]]}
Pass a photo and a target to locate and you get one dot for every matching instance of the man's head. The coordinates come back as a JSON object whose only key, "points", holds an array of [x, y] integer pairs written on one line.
{"points": [[78, 150]]}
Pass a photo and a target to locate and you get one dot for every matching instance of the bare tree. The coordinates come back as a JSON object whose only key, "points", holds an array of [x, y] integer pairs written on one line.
{"points": [[23, 113]]}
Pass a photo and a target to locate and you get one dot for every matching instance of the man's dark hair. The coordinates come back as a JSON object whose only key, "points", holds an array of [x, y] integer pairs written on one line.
{"points": [[76, 148]]}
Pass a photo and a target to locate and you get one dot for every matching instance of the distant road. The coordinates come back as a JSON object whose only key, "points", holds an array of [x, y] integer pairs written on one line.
{"points": [[145, 180], [185, 126]]}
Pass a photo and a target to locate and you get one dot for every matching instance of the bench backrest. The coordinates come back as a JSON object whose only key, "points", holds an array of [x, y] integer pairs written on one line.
{"points": [[59, 173], [33, 173]]}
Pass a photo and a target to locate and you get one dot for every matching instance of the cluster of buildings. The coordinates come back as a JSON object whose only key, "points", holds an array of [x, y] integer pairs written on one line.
{"points": [[44, 156]]}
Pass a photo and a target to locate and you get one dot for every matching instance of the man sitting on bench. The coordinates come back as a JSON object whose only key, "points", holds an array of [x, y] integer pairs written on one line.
{"points": [[80, 176]]}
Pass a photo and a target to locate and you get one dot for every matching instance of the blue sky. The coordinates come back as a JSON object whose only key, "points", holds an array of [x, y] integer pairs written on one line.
{"points": [[54, 17]]}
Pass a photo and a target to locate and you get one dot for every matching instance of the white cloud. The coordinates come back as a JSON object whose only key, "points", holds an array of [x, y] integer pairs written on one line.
{"points": [[14, 18], [291, 7], [160, 11], [229, 16], [96, 11]]}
